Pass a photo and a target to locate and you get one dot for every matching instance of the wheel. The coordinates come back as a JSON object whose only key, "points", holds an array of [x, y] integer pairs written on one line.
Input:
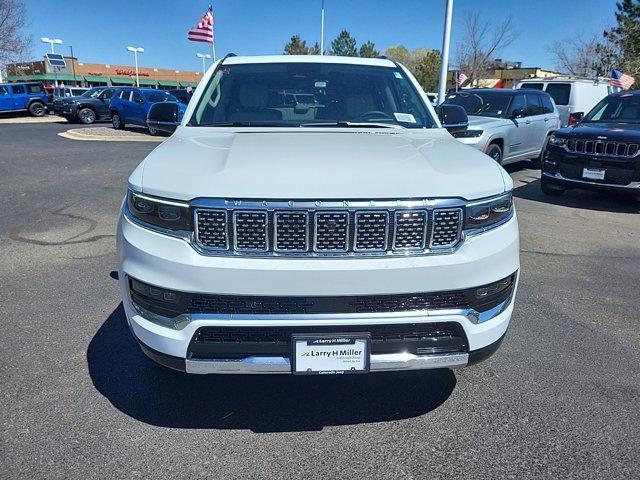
{"points": [[37, 109], [537, 162], [495, 152], [87, 116], [153, 131], [550, 189], [116, 121]]}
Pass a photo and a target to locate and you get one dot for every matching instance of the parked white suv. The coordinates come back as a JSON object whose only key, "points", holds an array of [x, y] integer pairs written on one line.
{"points": [[349, 234], [574, 96], [507, 125]]}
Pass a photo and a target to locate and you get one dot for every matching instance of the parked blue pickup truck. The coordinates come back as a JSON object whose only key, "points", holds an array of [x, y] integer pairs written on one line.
{"points": [[19, 97]]}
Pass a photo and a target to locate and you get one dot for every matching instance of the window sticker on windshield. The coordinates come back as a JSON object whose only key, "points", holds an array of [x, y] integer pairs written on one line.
{"points": [[397, 75], [405, 117], [321, 84]]}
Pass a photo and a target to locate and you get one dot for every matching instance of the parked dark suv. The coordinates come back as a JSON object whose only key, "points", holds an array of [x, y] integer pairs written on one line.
{"points": [[601, 152], [89, 107]]}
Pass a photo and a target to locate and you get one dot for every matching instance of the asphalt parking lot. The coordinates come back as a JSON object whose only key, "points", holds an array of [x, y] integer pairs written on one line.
{"points": [[560, 399]]}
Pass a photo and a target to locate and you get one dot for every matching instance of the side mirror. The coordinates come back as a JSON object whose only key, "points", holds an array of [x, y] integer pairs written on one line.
{"points": [[453, 117], [164, 116], [517, 113], [575, 118]]}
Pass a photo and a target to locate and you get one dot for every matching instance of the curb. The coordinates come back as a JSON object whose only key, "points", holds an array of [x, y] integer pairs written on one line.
{"points": [[74, 134], [25, 119]]}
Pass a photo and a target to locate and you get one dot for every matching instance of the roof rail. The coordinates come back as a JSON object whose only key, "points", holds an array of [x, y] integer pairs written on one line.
{"points": [[569, 77]]}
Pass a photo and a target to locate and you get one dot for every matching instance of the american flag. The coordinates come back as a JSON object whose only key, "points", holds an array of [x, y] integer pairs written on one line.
{"points": [[621, 80], [203, 31], [461, 78]]}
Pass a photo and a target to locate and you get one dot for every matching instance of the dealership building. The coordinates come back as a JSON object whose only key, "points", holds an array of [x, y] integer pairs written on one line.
{"points": [[86, 74]]}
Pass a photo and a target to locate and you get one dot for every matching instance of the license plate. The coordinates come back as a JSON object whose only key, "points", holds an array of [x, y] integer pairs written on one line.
{"points": [[331, 354], [593, 173]]}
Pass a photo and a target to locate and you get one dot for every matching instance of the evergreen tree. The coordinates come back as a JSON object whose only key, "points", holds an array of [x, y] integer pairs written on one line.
{"points": [[368, 50], [344, 45]]}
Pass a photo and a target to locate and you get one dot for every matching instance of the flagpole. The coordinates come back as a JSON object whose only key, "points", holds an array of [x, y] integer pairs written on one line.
{"points": [[213, 38], [322, 30]]}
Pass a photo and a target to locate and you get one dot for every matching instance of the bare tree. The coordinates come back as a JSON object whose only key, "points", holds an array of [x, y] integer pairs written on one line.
{"points": [[578, 55], [14, 44], [481, 42]]}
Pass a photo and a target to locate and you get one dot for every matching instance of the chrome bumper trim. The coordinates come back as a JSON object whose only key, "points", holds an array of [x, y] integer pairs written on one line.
{"points": [[379, 363], [632, 185]]}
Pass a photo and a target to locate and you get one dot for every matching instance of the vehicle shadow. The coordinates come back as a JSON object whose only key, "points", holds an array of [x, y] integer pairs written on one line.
{"points": [[583, 199], [261, 403]]}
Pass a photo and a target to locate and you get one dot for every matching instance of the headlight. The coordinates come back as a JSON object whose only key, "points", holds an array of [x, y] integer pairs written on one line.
{"points": [[488, 213], [469, 134], [159, 212], [558, 141]]}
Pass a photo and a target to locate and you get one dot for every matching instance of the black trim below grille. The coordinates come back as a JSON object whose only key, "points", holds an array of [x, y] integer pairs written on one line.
{"points": [[241, 342], [170, 303]]}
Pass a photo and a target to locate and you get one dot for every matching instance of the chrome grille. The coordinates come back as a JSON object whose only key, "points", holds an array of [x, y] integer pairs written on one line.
{"points": [[446, 227], [410, 229], [599, 147], [332, 232], [211, 228], [371, 231], [326, 229], [291, 231], [250, 230]]}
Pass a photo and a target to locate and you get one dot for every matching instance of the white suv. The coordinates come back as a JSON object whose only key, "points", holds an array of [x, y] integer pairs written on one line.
{"points": [[347, 234]]}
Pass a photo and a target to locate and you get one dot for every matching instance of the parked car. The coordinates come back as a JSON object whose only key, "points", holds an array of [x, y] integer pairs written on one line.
{"points": [[91, 106], [573, 96], [183, 95], [131, 105], [508, 125], [68, 91], [19, 97], [602, 152], [367, 239], [62, 92]]}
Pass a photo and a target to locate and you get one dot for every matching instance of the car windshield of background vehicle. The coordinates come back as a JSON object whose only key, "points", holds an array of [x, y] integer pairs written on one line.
{"points": [[618, 109], [482, 104], [92, 93], [310, 94], [157, 97], [559, 92]]}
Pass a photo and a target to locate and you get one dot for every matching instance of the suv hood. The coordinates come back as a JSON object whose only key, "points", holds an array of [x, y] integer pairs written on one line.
{"points": [[316, 164], [603, 131]]}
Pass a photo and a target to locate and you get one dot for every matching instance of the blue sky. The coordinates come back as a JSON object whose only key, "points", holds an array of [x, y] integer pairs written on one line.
{"points": [[100, 31]]}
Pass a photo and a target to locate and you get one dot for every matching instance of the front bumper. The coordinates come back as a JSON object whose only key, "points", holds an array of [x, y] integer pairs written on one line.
{"points": [[565, 169], [172, 263]]}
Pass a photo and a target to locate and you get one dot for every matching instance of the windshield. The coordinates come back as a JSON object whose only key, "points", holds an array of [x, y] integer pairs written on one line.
{"points": [[295, 94], [620, 108], [484, 104], [92, 93], [157, 97]]}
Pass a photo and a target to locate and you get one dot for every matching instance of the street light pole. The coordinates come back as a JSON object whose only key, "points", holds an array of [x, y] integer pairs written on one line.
{"points": [[203, 56], [322, 29], [73, 66], [135, 51], [444, 59], [52, 42]]}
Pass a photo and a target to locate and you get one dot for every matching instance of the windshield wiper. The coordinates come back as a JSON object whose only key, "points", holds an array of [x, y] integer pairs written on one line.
{"points": [[344, 124]]}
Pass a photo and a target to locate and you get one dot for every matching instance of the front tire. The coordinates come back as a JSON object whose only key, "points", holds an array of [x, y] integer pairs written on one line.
{"points": [[37, 109], [551, 189], [87, 116], [495, 152], [116, 121]]}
